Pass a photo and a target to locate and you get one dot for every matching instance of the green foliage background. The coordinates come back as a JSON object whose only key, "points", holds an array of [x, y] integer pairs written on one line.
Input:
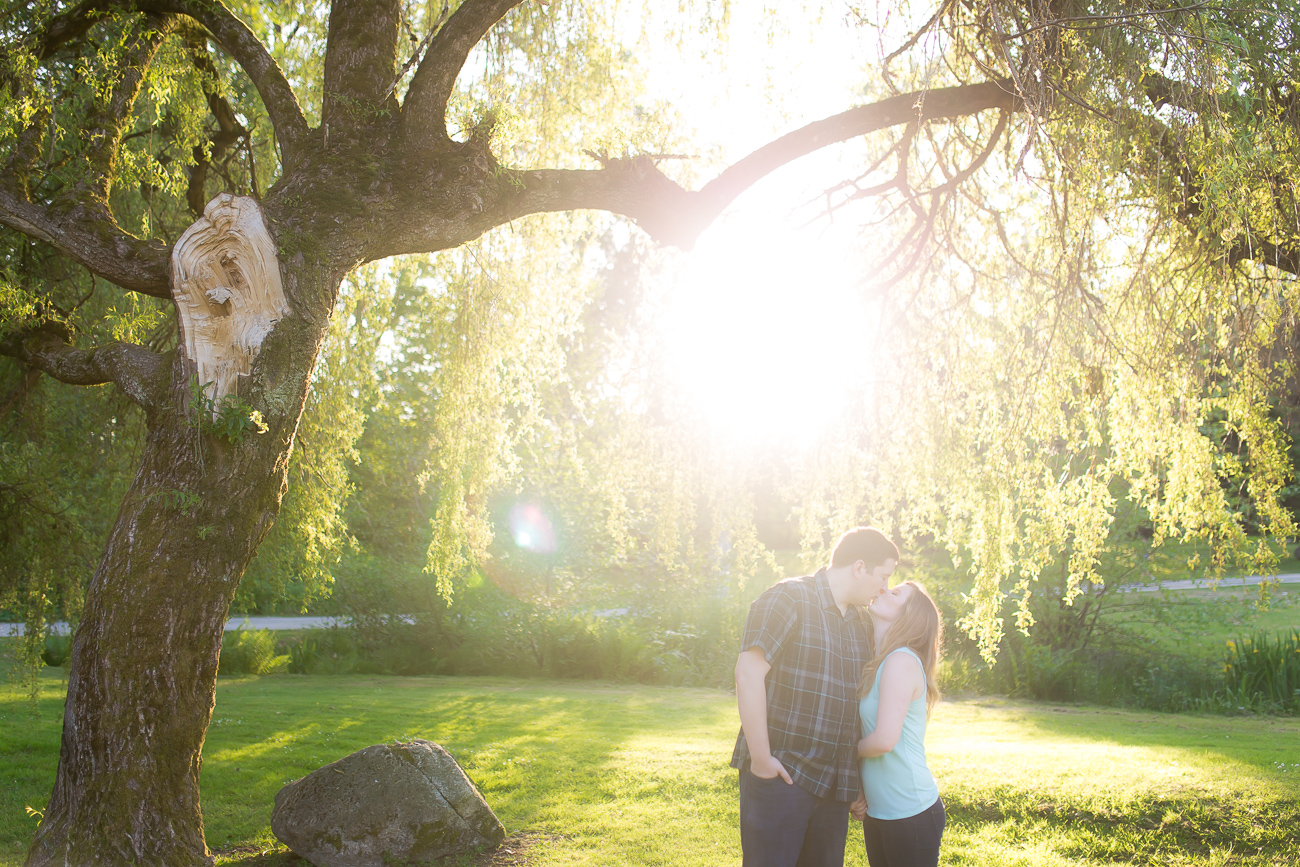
{"points": [[1070, 344]]}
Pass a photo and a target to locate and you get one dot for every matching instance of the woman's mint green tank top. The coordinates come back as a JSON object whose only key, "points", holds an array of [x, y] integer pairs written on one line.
{"points": [[899, 783]]}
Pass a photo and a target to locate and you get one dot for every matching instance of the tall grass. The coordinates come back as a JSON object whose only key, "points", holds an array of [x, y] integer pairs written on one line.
{"points": [[1263, 671], [1259, 672]]}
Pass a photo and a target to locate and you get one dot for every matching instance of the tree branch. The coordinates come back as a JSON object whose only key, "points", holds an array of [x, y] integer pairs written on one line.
{"points": [[424, 114], [142, 375], [1162, 91], [1284, 257], [360, 56], [43, 42], [108, 120], [229, 129], [942, 104], [27, 151], [80, 224], [637, 189], [60, 29], [19, 393], [464, 192], [86, 234], [964, 174], [248, 51], [1097, 22], [1185, 185], [419, 49]]}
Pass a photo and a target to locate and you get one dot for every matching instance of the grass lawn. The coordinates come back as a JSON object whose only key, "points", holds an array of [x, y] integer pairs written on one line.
{"points": [[1200, 622], [632, 775]]}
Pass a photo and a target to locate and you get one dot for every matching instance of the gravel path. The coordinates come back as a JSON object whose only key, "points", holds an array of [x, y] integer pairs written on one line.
{"points": [[232, 624], [1223, 583]]}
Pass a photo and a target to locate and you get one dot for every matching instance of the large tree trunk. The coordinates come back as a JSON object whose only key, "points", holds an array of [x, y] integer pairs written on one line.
{"points": [[143, 674]]}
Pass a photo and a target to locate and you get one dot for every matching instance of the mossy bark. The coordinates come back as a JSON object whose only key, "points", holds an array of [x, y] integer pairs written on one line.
{"points": [[142, 682]]}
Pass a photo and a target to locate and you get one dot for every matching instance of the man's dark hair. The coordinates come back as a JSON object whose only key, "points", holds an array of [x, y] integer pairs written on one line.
{"points": [[867, 544]]}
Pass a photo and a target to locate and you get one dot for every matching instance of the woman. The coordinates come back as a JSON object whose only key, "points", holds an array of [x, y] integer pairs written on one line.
{"points": [[904, 815]]}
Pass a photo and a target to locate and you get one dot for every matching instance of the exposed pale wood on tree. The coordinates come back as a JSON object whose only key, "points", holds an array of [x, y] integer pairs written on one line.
{"points": [[226, 284]]}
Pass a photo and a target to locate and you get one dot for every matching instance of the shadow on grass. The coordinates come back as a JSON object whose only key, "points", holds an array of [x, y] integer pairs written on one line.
{"points": [[530, 746], [1147, 830]]}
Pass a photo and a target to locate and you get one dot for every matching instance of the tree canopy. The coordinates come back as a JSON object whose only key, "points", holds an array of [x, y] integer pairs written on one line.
{"points": [[1076, 228]]}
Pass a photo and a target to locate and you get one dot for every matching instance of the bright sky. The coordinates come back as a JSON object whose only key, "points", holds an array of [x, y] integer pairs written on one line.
{"points": [[765, 323]]}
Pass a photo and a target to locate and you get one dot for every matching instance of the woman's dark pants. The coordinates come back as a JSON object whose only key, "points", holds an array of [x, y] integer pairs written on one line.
{"points": [[910, 842], [782, 825]]}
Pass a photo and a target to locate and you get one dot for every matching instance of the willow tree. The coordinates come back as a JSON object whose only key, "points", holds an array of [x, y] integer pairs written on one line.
{"points": [[119, 113], [1104, 317], [100, 91]]}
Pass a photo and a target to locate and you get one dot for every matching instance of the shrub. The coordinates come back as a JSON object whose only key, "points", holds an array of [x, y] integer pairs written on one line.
{"points": [[1262, 671], [1124, 671], [323, 651], [250, 652], [57, 649]]}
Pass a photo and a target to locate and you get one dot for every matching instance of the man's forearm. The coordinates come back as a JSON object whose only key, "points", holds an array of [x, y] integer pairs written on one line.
{"points": [[751, 700]]}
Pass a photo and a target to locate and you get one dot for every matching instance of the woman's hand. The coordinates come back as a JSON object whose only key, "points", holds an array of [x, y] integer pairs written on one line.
{"points": [[858, 809]]}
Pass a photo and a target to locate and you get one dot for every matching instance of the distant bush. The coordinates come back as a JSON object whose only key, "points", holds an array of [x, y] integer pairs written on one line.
{"points": [[494, 634], [247, 651], [488, 632], [57, 649], [323, 651], [1118, 676]]}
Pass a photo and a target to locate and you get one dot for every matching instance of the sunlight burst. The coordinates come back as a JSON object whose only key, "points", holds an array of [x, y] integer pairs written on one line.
{"points": [[767, 331]]}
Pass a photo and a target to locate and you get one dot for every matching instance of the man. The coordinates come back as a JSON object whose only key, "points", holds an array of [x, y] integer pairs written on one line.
{"points": [[803, 652]]}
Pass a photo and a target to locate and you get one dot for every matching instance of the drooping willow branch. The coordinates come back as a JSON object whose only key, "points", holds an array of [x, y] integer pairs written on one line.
{"points": [[247, 50], [109, 119]]}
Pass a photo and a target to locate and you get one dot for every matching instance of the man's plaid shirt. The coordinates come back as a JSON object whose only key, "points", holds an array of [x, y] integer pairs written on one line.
{"points": [[817, 657]]}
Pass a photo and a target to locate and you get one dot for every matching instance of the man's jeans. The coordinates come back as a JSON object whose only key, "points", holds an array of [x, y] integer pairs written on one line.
{"points": [[782, 825]]}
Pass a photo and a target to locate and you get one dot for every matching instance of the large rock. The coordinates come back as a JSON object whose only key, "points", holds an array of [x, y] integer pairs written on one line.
{"points": [[402, 802]]}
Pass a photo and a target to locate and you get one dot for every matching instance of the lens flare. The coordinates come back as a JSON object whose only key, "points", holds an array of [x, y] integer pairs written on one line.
{"points": [[531, 528]]}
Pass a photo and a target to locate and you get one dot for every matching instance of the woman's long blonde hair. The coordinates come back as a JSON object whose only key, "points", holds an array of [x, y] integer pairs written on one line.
{"points": [[918, 627]]}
